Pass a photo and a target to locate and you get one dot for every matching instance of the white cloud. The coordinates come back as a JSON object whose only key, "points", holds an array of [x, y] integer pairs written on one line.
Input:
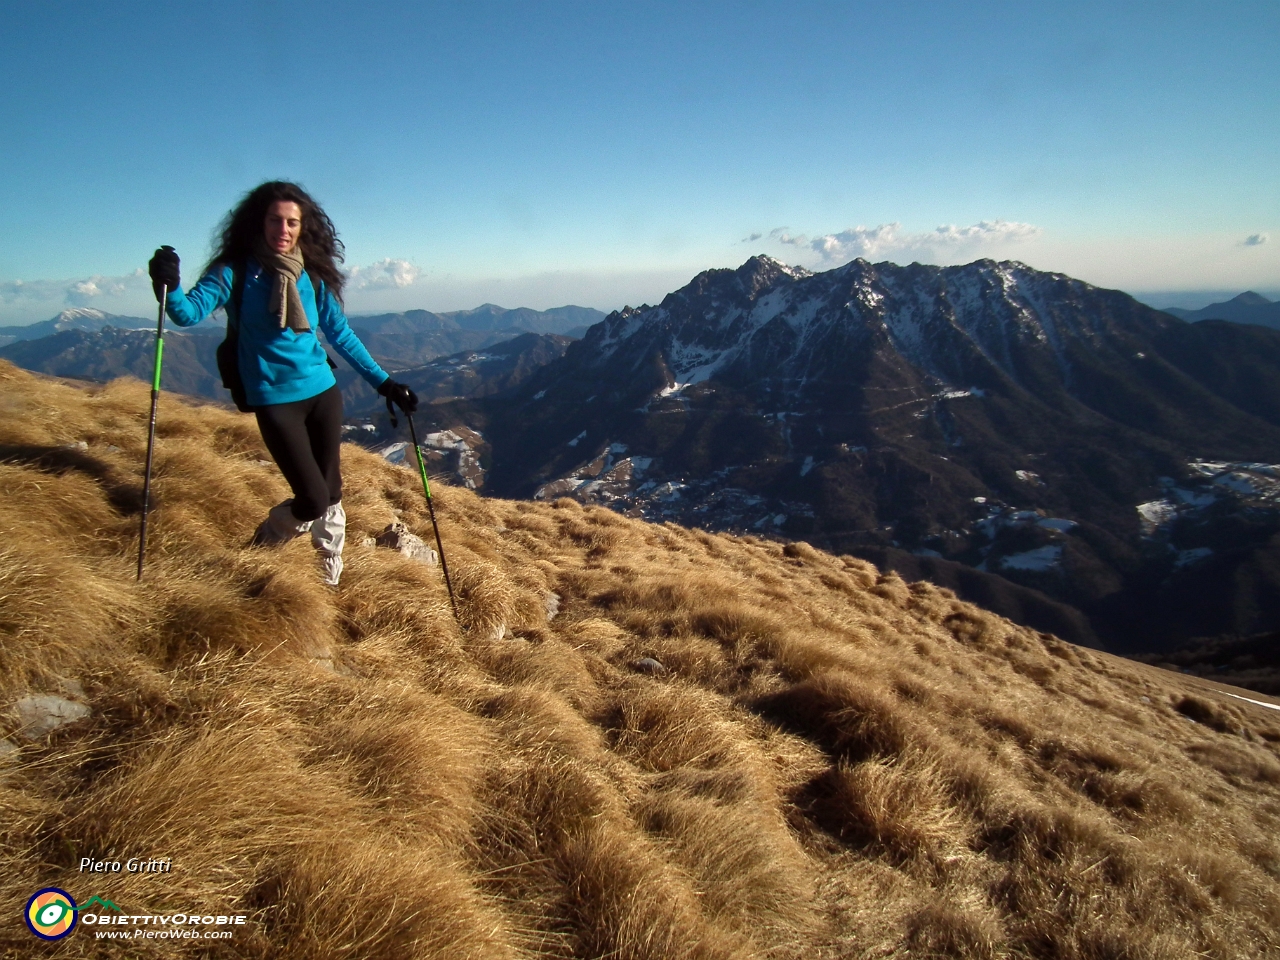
{"points": [[1256, 239], [387, 274], [83, 292], [782, 235], [988, 231], [29, 300], [859, 242], [944, 242]]}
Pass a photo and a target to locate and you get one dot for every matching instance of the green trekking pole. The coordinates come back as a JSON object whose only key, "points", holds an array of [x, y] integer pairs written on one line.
{"points": [[151, 432], [426, 488], [431, 507]]}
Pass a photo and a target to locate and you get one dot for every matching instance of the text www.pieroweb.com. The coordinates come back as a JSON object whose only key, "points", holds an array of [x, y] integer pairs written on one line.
{"points": [[165, 927], [139, 933]]}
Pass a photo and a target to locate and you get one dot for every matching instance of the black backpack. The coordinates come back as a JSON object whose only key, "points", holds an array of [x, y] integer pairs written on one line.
{"points": [[229, 349]]}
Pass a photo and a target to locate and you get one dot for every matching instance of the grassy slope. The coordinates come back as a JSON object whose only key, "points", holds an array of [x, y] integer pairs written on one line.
{"points": [[838, 765]]}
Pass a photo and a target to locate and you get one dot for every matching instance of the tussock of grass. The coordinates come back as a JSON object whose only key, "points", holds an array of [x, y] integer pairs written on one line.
{"points": [[835, 763]]}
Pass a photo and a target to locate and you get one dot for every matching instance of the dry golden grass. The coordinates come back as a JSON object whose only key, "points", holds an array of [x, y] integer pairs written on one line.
{"points": [[835, 764]]}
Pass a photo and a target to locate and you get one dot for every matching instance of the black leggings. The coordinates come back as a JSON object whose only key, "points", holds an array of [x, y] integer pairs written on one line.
{"points": [[304, 437]]}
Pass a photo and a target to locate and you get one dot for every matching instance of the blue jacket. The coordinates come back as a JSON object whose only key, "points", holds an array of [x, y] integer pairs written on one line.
{"points": [[277, 366]]}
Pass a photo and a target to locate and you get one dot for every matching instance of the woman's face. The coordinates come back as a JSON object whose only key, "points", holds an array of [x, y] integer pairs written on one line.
{"points": [[283, 225]]}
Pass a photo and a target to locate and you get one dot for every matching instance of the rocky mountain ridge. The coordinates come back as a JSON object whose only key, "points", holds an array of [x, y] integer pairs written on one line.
{"points": [[991, 415], [73, 318], [190, 361]]}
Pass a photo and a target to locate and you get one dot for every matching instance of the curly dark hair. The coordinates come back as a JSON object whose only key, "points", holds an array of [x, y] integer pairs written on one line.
{"points": [[243, 226]]}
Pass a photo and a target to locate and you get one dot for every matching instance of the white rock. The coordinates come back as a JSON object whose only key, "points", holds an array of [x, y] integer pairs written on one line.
{"points": [[39, 716], [398, 538], [7, 750], [552, 601]]}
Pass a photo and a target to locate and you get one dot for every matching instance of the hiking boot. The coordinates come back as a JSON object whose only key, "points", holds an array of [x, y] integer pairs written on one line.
{"points": [[281, 526], [329, 534]]}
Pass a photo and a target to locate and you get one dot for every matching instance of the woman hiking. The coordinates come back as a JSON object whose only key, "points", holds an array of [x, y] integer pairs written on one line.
{"points": [[276, 273]]}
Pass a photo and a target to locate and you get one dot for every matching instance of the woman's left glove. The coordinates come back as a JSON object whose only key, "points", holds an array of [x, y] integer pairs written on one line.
{"points": [[163, 268], [400, 395]]}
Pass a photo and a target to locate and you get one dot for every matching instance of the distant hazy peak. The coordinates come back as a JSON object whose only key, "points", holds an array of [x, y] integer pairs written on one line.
{"points": [[1248, 307]]}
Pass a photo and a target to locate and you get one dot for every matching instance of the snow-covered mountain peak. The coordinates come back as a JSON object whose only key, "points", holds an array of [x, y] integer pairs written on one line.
{"points": [[76, 315], [972, 323], [765, 261]]}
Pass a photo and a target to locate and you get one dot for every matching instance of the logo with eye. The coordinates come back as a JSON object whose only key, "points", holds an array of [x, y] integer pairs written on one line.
{"points": [[51, 913]]}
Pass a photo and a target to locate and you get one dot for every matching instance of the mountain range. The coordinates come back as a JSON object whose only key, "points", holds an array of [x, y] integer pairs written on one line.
{"points": [[190, 362], [493, 369], [89, 344], [990, 425], [1056, 452], [402, 341], [75, 318]]}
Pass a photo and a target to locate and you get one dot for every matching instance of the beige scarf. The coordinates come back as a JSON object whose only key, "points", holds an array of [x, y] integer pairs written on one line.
{"points": [[285, 302]]}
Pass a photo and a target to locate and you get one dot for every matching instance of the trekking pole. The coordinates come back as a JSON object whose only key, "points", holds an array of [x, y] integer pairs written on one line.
{"points": [[426, 488], [151, 431]]}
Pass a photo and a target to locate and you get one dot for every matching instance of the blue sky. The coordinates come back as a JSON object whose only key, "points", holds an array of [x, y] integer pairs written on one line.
{"points": [[603, 153]]}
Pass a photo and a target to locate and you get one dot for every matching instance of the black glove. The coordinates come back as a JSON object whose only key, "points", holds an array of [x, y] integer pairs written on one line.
{"points": [[400, 395], [164, 270]]}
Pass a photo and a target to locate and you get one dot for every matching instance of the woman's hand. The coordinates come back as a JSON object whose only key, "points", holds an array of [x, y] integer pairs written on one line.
{"points": [[400, 395], [164, 270]]}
